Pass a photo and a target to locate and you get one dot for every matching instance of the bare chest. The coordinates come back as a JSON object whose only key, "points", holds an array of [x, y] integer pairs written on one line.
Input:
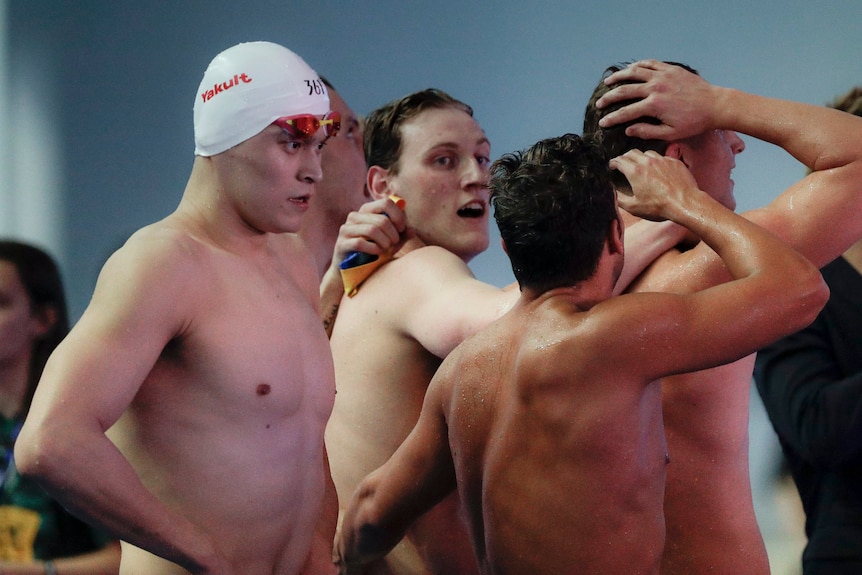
{"points": [[254, 341]]}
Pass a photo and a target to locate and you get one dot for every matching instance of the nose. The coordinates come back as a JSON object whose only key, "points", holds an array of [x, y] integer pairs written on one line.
{"points": [[311, 170], [476, 174], [735, 142]]}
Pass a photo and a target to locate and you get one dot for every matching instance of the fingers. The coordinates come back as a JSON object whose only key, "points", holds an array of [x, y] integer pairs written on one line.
{"points": [[375, 228], [371, 233], [627, 162], [632, 80], [640, 71], [656, 182], [640, 89]]}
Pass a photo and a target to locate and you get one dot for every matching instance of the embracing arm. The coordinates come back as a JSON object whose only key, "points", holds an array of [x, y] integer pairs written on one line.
{"points": [[444, 303], [774, 290], [88, 383], [418, 476], [818, 216], [644, 242]]}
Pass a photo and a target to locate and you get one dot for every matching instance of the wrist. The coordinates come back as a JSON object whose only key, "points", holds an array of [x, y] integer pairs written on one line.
{"points": [[725, 106]]}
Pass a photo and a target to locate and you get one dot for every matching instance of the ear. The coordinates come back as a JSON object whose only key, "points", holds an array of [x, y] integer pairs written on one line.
{"points": [[615, 236], [676, 151], [377, 182]]}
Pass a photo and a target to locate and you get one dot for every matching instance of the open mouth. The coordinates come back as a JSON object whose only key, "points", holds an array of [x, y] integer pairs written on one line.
{"points": [[300, 199], [472, 210]]}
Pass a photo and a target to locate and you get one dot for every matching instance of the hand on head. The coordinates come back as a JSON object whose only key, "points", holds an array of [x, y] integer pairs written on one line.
{"points": [[658, 183], [680, 100]]}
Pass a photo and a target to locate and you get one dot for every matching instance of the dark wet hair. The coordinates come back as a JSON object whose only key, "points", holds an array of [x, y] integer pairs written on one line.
{"points": [[553, 204]]}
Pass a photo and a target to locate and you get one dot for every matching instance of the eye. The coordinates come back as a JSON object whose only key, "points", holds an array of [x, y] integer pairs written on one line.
{"points": [[483, 160], [444, 161], [352, 130]]}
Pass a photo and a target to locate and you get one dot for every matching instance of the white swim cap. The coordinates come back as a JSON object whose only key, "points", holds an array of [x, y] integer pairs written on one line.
{"points": [[246, 88]]}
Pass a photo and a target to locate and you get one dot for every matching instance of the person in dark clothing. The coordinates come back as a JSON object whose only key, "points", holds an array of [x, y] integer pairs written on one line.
{"points": [[811, 385]]}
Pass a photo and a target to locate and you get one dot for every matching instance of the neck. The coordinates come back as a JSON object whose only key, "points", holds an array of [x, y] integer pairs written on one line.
{"points": [[204, 209], [584, 294]]}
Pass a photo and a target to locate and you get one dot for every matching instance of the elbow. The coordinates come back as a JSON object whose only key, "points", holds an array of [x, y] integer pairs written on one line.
{"points": [[38, 454], [814, 293]]}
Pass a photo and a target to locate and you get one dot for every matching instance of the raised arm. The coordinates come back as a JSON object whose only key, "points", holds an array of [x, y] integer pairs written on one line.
{"points": [[827, 141], [90, 380], [774, 290], [375, 228], [417, 477], [449, 304]]}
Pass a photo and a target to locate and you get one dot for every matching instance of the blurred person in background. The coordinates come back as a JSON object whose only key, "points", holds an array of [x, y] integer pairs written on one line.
{"points": [[37, 535]]}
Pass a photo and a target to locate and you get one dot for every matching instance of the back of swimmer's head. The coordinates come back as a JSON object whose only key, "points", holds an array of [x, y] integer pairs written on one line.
{"points": [[248, 86]]}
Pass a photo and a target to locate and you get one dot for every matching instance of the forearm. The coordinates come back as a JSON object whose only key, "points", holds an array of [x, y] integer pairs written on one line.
{"points": [[331, 292], [644, 242], [90, 477], [320, 558], [818, 136]]}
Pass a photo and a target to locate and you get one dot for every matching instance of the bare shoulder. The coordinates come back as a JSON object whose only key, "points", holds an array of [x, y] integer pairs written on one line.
{"points": [[158, 273], [433, 260], [415, 277], [614, 338], [164, 247], [682, 272]]}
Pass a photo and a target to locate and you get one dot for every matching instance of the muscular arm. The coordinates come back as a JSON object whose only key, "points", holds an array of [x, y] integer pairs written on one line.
{"points": [[774, 290], [443, 303], [417, 477], [818, 216], [89, 382], [449, 304]]}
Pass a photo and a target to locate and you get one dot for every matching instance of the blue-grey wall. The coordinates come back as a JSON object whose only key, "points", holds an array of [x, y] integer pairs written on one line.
{"points": [[121, 78], [125, 75]]}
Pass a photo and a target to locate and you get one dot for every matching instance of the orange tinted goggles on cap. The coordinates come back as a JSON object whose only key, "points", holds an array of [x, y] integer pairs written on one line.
{"points": [[304, 126]]}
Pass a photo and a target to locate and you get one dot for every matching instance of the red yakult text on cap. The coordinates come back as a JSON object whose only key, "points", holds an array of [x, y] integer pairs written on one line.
{"points": [[219, 88]]}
